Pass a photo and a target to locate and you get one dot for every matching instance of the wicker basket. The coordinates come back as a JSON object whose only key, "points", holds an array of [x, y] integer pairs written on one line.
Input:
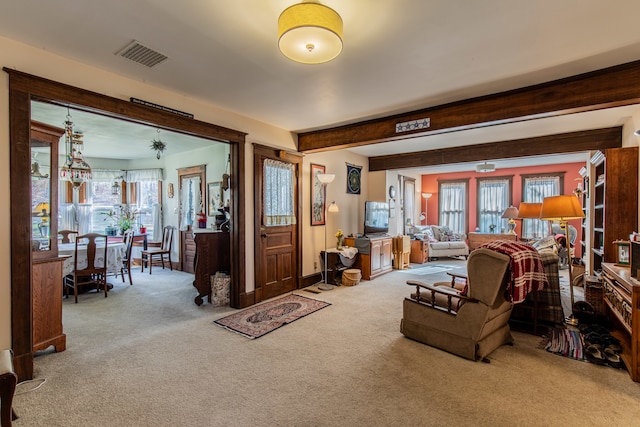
{"points": [[594, 294], [351, 277]]}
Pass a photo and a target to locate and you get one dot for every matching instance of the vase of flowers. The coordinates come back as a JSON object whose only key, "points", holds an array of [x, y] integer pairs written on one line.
{"points": [[340, 237]]}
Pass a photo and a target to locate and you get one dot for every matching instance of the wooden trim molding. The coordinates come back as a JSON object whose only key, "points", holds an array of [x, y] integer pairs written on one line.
{"points": [[23, 88], [606, 88], [570, 142]]}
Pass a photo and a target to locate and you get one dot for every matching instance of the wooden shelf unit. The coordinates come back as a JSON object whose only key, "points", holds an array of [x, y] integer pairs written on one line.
{"points": [[378, 261], [622, 299], [419, 251], [613, 195]]}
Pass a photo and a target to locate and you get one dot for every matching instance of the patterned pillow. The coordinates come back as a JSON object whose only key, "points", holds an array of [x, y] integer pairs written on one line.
{"points": [[430, 236]]}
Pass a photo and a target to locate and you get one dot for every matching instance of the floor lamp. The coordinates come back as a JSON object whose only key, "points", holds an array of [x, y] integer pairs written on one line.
{"points": [[325, 179], [562, 209], [528, 210], [423, 215]]}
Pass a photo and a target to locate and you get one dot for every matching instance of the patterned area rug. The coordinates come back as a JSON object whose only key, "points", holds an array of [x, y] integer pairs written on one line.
{"points": [[261, 319], [564, 342]]}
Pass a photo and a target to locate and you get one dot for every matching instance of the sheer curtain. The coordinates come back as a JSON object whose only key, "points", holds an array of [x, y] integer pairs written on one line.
{"points": [[190, 201], [493, 199], [68, 217], [84, 216], [535, 190], [279, 205], [453, 196]]}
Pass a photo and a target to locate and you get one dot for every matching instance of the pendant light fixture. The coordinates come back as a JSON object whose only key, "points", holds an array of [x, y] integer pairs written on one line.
{"points": [[75, 169], [310, 33]]}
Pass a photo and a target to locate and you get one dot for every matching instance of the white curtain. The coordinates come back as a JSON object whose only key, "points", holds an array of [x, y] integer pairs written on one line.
{"points": [[452, 205], [84, 218], [190, 201], [279, 205], [107, 175], [68, 217], [535, 190], [138, 175], [493, 199], [157, 223]]}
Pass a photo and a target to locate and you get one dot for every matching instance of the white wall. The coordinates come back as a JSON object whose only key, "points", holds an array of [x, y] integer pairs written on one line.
{"points": [[351, 216], [44, 64]]}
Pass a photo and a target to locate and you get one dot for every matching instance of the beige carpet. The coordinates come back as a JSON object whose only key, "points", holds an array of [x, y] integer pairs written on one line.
{"points": [[148, 356]]}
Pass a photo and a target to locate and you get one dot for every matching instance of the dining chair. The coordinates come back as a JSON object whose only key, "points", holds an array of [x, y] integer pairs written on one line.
{"points": [[164, 249], [126, 261], [66, 235], [89, 274]]}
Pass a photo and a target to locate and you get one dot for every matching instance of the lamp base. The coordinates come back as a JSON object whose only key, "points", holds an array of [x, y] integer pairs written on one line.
{"points": [[571, 320], [325, 287], [511, 225]]}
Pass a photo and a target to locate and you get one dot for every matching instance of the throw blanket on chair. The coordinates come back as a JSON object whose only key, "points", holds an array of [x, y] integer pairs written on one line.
{"points": [[527, 271]]}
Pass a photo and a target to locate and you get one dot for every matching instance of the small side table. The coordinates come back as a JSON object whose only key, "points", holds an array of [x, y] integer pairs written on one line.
{"points": [[419, 251]]}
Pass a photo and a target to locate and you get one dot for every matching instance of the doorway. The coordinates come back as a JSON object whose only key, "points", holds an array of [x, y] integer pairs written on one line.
{"points": [[24, 88], [277, 222]]}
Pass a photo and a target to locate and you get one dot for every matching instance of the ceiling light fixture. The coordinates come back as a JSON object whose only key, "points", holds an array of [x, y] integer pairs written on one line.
{"points": [[310, 33], [75, 169], [485, 167]]}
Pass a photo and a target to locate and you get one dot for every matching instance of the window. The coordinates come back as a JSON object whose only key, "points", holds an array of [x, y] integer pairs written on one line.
{"points": [[494, 196], [102, 201], [534, 190], [279, 186], [146, 200], [453, 205]]}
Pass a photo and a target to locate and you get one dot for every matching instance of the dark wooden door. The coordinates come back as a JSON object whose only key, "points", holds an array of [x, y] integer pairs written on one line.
{"points": [[277, 255]]}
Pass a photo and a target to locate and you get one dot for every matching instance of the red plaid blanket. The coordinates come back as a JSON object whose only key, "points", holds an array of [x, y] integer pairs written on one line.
{"points": [[527, 271]]}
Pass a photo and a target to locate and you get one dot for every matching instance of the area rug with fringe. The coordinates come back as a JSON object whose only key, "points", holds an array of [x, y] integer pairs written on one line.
{"points": [[261, 319]]}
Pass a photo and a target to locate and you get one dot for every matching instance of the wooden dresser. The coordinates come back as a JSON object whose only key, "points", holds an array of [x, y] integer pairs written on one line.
{"points": [[622, 299], [378, 261], [212, 254], [187, 251], [419, 251], [46, 279]]}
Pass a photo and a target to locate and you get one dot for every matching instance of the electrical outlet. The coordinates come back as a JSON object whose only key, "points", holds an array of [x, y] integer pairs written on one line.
{"points": [[315, 265]]}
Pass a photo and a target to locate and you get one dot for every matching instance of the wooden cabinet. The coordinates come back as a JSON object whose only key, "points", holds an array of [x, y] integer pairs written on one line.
{"points": [[378, 261], [613, 201], [419, 252], [46, 279], [212, 254], [622, 299], [187, 251]]}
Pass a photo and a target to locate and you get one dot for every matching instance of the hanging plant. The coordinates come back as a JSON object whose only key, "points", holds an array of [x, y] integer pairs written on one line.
{"points": [[158, 146]]}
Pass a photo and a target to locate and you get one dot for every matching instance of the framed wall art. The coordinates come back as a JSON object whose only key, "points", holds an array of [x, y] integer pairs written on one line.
{"points": [[623, 249], [353, 179], [317, 196], [214, 197]]}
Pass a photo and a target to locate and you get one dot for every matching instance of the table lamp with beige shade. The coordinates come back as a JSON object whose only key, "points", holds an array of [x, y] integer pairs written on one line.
{"points": [[562, 209]]}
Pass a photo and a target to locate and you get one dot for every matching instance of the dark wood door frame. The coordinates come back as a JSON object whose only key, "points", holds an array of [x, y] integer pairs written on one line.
{"points": [[23, 88], [260, 151]]}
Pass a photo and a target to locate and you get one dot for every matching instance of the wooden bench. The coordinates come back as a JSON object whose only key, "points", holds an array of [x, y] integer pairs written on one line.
{"points": [[8, 382]]}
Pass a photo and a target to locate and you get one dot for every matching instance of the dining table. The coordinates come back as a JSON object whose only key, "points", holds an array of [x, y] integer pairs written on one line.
{"points": [[115, 255]]}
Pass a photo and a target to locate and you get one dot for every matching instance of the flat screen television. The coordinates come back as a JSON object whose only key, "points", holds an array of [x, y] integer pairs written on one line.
{"points": [[376, 218]]}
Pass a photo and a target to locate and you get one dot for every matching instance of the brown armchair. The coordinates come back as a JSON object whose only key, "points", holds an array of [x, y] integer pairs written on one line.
{"points": [[470, 325]]}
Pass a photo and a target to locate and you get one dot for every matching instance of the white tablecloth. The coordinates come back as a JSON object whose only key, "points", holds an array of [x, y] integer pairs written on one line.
{"points": [[115, 254]]}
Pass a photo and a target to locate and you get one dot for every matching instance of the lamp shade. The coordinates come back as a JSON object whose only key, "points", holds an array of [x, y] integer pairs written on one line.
{"points": [[511, 212], [561, 208], [326, 178], [333, 207], [42, 209], [529, 210], [427, 195], [310, 33]]}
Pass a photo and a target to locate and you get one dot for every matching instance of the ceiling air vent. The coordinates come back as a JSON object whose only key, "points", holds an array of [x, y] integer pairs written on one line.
{"points": [[141, 54]]}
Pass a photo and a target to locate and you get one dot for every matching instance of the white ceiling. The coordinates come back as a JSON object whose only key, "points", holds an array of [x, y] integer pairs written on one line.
{"points": [[399, 55]]}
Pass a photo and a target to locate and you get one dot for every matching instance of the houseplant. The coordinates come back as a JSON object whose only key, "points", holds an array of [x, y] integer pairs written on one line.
{"points": [[122, 219]]}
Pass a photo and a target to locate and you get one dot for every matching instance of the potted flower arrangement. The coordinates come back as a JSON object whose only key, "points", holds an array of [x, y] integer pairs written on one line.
{"points": [[122, 219], [340, 237]]}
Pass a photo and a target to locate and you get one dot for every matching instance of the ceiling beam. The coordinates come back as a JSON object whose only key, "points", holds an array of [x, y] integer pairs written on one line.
{"points": [[606, 88], [597, 139]]}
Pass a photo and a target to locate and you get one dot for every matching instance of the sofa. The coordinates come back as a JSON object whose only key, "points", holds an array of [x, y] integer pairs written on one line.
{"points": [[442, 241]]}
